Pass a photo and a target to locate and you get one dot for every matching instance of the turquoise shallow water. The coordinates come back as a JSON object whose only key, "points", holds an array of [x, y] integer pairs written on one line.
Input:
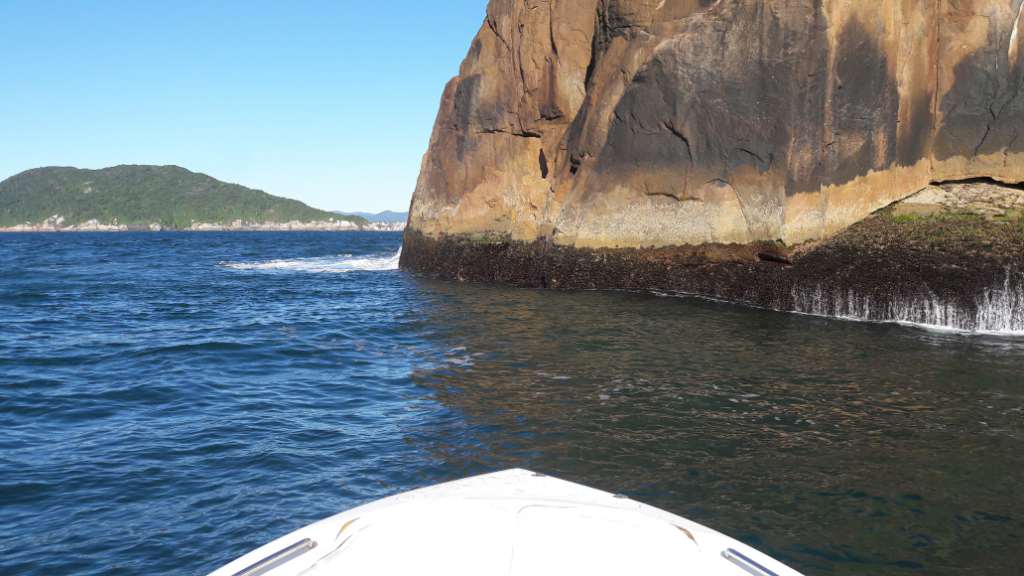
{"points": [[170, 401]]}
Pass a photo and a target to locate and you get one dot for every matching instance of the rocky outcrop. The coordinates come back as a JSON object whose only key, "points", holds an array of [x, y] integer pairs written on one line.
{"points": [[715, 125]]}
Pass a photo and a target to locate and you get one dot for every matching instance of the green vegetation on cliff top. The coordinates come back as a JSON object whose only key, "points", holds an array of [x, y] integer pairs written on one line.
{"points": [[142, 195]]}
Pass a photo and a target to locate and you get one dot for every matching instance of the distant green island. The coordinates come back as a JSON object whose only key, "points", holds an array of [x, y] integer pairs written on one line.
{"points": [[152, 198]]}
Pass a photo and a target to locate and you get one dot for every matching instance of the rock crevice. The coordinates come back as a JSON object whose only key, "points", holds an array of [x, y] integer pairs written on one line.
{"points": [[817, 112]]}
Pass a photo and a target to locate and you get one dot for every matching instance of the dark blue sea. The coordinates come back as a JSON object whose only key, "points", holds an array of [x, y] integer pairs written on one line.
{"points": [[169, 401]]}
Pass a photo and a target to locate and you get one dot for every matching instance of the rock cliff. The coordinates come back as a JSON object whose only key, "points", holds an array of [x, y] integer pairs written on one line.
{"points": [[725, 128]]}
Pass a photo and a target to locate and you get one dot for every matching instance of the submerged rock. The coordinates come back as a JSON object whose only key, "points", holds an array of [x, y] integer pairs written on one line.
{"points": [[711, 130]]}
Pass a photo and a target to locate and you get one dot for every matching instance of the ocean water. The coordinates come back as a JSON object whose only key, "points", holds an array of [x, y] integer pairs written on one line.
{"points": [[170, 401]]}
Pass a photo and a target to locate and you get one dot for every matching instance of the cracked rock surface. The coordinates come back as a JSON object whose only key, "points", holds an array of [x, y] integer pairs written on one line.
{"points": [[659, 123]]}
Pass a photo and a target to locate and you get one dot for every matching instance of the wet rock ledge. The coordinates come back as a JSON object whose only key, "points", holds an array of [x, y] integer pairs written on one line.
{"points": [[950, 256]]}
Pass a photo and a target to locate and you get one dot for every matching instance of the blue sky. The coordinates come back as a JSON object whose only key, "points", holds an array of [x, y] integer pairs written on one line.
{"points": [[330, 102]]}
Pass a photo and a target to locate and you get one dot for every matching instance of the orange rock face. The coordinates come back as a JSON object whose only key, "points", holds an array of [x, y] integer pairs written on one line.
{"points": [[654, 123]]}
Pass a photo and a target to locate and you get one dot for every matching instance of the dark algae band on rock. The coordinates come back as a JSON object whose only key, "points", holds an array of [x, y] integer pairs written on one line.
{"points": [[962, 273], [740, 149]]}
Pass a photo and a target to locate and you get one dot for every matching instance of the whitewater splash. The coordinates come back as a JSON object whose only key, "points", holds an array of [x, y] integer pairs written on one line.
{"points": [[324, 264], [999, 310]]}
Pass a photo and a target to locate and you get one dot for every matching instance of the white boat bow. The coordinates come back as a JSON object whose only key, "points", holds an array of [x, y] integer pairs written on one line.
{"points": [[514, 522]]}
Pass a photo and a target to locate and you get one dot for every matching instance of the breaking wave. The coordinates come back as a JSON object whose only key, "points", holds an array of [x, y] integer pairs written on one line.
{"points": [[323, 264]]}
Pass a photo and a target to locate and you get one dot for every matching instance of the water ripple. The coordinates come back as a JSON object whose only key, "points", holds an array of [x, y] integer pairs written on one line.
{"points": [[170, 401]]}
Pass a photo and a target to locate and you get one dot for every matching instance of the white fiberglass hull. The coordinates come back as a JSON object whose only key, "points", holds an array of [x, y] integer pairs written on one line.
{"points": [[509, 523]]}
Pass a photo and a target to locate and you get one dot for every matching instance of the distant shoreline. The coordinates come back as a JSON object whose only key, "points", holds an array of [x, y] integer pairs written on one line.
{"points": [[206, 227], [138, 198], [20, 231]]}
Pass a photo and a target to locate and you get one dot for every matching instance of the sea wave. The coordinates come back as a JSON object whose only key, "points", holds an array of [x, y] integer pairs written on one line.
{"points": [[322, 264]]}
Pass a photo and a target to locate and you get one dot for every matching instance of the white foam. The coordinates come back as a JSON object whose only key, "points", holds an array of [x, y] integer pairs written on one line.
{"points": [[325, 264], [999, 310]]}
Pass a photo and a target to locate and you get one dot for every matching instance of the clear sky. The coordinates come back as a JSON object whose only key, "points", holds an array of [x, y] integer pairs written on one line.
{"points": [[331, 102]]}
